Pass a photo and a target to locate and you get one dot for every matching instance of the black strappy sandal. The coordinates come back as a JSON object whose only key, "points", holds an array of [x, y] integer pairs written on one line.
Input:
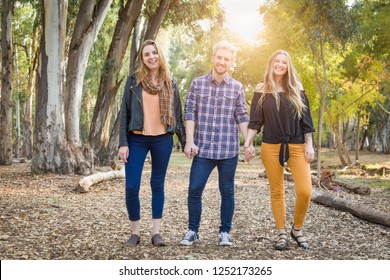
{"points": [[281, 244], [301, 244]]}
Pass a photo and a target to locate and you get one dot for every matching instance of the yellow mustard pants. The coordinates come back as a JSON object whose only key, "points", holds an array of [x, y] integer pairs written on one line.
{"points": [[300, 170]]}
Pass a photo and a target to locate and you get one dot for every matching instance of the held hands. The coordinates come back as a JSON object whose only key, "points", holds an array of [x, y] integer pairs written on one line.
{"points": [[123, 153], [249, 152], [191, 150]]}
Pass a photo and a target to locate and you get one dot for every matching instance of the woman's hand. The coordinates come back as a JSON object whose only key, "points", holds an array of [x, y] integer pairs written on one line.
{"points": [[249, 152], [123, 153], [309, 153], [309, 150]]}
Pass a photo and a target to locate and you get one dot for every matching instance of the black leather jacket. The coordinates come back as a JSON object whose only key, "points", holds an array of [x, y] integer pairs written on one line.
{"points": [[132, 115]]}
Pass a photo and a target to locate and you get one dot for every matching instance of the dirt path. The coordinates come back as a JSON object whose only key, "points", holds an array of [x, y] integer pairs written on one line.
{"points": [[42, 217]]}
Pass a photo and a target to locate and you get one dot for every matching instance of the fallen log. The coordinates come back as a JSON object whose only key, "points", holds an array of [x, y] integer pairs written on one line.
{"points": [[361, 211], [328, 181], [85, 183]]}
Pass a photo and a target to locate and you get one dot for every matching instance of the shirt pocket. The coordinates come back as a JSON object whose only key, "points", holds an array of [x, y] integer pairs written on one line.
{"points": [[229, 101]]}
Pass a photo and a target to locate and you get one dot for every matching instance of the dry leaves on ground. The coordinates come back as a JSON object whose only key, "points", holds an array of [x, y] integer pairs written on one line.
{"points": [[43, 217]]}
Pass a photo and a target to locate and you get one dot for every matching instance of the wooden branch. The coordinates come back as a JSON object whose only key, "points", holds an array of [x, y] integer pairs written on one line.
{"points": [[361, 211], [383, 108], [85, 183]]}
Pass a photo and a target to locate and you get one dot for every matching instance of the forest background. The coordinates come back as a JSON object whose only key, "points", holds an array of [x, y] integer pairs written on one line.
{"points": [[64, 63]]}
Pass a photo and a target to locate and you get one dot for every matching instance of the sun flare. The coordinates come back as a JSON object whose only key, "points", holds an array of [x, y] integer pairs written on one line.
{"points": [[243, 18]]}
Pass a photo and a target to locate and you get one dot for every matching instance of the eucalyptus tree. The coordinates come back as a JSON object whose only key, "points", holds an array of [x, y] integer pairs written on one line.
{"points": [[51, 150], [27, 22], [88, 23], [110, 81], [6, 82]]}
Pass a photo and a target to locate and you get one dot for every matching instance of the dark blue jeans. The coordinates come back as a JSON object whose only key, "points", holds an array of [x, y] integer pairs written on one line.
{"points": [[160, 148], [201, 169]]}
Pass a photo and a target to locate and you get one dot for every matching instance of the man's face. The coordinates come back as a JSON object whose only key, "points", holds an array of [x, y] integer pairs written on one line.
{"points": [[222, 61]]}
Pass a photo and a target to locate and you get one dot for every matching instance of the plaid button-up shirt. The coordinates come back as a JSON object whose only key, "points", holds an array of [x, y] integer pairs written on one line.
{"points": [[216, 109]]}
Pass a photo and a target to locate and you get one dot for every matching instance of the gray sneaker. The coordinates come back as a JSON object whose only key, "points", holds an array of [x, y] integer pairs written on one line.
{"points": [[190, 238], [224, 239]]}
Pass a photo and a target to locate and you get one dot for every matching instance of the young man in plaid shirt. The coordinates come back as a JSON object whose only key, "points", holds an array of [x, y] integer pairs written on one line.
{"points": [[214, 111]]}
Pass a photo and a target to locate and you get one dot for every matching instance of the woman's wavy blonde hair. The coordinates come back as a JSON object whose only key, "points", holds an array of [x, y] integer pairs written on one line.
{"points": [[143, 70], [290, 83]]}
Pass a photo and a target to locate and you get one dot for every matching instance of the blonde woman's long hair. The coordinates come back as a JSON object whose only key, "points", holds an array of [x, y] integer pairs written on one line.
{"points": [[290, 83], [144, 71]]}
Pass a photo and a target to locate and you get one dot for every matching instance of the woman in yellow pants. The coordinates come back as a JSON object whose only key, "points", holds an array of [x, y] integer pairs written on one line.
{"points": [[281, 109]]}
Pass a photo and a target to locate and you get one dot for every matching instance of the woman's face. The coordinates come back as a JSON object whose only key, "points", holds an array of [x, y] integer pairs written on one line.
{"points": [[151, 58], [280, 65]]}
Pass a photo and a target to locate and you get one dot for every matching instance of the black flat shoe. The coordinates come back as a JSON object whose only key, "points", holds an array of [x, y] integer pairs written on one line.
{"points": [[281, 244], [301, 244], [134, 240], [157, 240]]}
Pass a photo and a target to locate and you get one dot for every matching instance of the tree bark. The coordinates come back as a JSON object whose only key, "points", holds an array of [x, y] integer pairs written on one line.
{"points": [[361, 211], [341, 150], [357, 135], [51, 151], [109, 83], [32, 55], [323, 91], [111, 152], [135, 44], [89, 21], [155, 21], [6, 83]]}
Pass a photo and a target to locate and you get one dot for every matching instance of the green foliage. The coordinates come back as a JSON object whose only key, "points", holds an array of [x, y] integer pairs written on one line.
{"points": [[355, 41]]}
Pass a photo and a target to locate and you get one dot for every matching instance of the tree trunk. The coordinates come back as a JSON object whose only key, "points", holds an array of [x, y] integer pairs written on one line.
{"points": [[27, 122], [111, 152], [17, 127], [89, 21], [387, 151], [6, 83], [109, 83], [17, 108], [345, 132], [51, 152], [135, 44], [357, 135], [361, 211], [323, 91], [340, 146], [155, 21]]}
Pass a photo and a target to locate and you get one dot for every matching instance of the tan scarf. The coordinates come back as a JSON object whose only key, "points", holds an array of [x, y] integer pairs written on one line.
{"points": [[165, 95]]}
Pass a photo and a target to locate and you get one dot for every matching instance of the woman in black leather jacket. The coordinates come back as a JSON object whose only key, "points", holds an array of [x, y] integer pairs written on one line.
{"points": [[151, 112]]}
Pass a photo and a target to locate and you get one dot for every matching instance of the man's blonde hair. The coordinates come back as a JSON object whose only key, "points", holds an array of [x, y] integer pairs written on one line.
{"points": [[227, 46]]}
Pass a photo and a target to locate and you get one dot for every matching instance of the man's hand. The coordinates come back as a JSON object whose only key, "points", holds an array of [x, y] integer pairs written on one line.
{"points": [[191, 150]]}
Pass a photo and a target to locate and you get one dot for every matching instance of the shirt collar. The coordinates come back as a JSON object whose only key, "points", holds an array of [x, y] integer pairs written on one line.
{"points": [[226, 79]]}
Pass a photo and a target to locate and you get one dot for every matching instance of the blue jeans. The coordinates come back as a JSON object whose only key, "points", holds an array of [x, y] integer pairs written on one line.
{"points": [[201, 169], [160, 148]]}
